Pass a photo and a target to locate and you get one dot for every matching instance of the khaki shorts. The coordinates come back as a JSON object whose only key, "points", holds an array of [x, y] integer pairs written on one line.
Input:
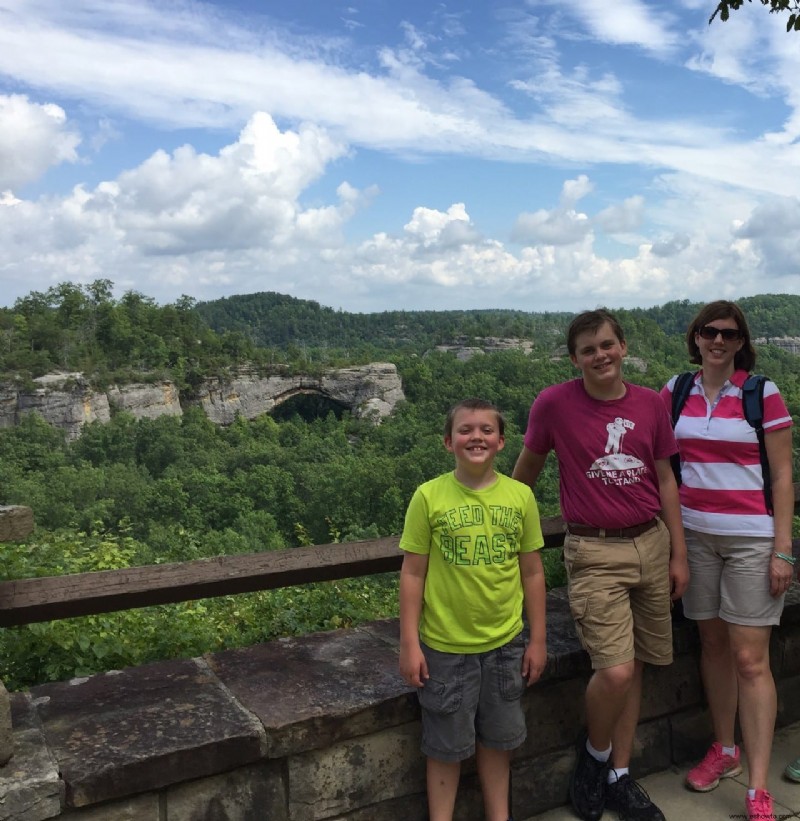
{"points": [[729, 579], [619, 594]]}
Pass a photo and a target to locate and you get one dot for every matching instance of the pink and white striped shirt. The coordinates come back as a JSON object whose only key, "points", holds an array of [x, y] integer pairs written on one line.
{"points": [[722, 488]]}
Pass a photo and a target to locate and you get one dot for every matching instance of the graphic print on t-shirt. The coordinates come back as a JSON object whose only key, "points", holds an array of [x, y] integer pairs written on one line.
{"points": [[472, 547], [617, 467]]}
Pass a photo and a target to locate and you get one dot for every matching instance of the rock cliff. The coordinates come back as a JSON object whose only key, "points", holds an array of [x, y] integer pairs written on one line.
{"points": [[488, 344], [787, 343], [67, 401]]}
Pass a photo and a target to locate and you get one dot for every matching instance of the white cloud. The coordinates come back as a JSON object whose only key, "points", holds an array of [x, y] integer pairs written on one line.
{"points": [[629, 22], [622, 218], [773, 232], [671, 246], [429, 227], [574, 190], [33, 138], [753, 50], [189, 207], [233, 223], [556, 227], [560, 226], [740, 49], [247, 196]]}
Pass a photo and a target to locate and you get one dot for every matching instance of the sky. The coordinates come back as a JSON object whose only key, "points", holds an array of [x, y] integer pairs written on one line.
{"points": [[541, 155]]}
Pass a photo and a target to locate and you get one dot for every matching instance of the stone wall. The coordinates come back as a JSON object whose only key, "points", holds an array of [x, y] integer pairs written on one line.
{"points": [[319, 728]]}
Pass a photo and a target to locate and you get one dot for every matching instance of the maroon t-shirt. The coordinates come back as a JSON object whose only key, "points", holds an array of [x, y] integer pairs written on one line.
{"points": [[606, 451]]}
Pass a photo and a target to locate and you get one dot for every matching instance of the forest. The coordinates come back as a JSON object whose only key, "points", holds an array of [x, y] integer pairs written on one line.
{"points": [[171, 489]]}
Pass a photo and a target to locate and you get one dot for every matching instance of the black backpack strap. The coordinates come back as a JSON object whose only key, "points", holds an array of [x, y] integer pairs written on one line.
{"points": [[753, 406], [680, 392]]}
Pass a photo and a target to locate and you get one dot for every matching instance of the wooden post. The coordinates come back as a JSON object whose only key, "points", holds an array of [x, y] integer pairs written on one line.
{"points": [[15, 523]]}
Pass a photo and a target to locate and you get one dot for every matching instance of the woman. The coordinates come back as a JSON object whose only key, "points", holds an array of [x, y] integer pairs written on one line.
{"points": [[740, 556]]}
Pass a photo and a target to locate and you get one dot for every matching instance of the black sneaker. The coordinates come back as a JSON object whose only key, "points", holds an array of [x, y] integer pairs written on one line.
{"points": [[631, 801], [587, 787]]}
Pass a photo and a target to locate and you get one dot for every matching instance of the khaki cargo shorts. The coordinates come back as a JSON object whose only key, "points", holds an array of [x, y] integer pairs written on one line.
{"points": [[619, 594]]}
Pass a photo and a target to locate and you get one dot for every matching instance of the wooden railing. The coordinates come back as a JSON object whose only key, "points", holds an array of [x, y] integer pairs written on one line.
{"points": [[26, 601]]}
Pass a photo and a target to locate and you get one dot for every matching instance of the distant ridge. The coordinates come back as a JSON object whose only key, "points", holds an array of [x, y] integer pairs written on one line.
{"points": [[276, 320]]}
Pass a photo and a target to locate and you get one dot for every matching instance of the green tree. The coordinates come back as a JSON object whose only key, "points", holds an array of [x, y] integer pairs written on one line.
{"points": [[792, 7]]}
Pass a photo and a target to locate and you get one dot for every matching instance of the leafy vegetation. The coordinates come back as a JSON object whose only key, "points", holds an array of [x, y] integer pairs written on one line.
{"points": [[141, 491], [725, 7], [56, 650]]}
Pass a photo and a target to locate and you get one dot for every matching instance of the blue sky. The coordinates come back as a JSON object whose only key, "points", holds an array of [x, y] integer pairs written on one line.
{"points": [[541, 155]]}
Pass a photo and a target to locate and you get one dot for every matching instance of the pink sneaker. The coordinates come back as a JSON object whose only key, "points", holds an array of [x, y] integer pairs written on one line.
{"points": [[759, 808], [716, 765]]}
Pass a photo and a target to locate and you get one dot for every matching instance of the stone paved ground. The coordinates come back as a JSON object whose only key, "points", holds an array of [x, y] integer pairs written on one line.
{"points": [[726, 803]]}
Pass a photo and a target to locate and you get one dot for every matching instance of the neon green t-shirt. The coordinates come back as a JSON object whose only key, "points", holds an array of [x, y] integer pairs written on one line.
{"points": [[473, 590]]}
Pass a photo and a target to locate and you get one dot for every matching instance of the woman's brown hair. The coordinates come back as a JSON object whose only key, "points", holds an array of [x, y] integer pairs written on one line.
{"points": [[745, 358]]}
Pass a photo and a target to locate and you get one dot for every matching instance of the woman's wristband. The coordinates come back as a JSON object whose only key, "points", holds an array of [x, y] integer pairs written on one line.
{"points": [[785, 556]]}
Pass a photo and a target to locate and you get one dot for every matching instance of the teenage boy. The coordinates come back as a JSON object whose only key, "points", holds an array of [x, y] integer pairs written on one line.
{"points": [[471, 541], [624, 548]]}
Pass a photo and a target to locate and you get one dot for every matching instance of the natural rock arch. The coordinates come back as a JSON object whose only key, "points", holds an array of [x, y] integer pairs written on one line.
{"points": [[367, 391]]}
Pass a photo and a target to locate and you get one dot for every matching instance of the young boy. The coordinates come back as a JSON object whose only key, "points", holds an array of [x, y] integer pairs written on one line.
{"points": [[471, 539], [624, 549]]}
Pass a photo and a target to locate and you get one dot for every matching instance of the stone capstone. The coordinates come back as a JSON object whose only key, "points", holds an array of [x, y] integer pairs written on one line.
{"points": [[147, 727], [326, 663]]}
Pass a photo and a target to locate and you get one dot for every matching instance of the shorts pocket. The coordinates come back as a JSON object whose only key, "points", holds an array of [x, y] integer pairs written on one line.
{"points": [[509, 661], [573, 552], [578, 606], [441, 697]]}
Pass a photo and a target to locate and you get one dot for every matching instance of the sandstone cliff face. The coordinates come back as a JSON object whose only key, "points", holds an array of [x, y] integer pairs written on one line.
{"points": [[64, 400], [488, 344], [67, 401], [787, 343], [146, 401]]}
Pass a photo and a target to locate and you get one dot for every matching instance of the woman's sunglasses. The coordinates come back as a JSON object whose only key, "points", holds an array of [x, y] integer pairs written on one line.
{"points": [[728, 334]]}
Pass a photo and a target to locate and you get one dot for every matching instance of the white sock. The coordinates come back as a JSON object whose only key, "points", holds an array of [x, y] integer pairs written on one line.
{"points": [[751, 794], [615, 773], [731, 751], [599, 755]]}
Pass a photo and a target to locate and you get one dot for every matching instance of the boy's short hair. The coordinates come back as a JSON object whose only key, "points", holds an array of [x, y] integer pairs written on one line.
{"points": [[745, 358], [591, 321], [473, 403]]}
